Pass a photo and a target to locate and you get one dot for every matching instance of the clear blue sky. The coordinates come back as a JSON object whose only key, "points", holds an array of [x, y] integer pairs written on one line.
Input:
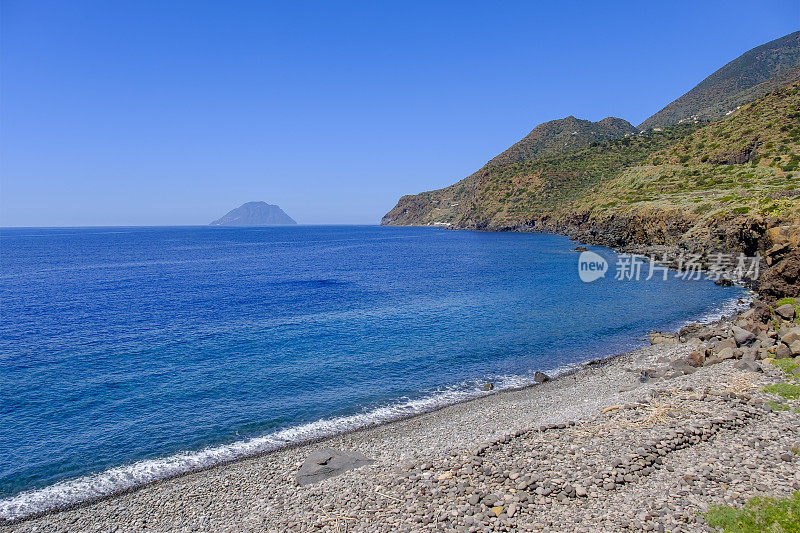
{"points": [[150, 113]]}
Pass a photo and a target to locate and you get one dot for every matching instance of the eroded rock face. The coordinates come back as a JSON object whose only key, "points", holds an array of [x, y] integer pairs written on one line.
{"points": [[783, 277], [327, 462]]}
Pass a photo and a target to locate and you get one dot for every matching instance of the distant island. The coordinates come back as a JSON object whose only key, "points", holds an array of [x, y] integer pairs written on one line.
{"points": [[255, 214]]}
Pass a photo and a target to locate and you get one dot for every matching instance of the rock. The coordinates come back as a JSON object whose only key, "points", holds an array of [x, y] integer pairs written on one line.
{"points": [[580, 249], [783, 351], [760, 312], [783, 276], [682, 367], [725, 353], [791, 336], [750, 353], [786, 311], [741, 335], [657, 337], [795, 347], [697, 358], [729, 342], [691, 331], [327, 462], [748, 365], [488, 386], [540, 377]]}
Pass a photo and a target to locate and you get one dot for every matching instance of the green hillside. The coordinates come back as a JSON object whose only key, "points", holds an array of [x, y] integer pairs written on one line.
{"points": [[744, 163], [564, 135]]}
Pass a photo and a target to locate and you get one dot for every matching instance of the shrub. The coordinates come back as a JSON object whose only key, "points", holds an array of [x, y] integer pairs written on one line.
{"points": [[759, 514], [786, 390]]}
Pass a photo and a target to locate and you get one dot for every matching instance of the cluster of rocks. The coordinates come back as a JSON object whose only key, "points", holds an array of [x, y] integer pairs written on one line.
{"points": [[760, 333]]}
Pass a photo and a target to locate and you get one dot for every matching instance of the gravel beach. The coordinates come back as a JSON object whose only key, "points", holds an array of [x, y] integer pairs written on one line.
{"points": [[638, 442]]}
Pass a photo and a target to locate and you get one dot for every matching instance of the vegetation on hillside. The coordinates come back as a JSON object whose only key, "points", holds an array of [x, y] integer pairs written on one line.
{"points": [[746, 163], [560, 136]]}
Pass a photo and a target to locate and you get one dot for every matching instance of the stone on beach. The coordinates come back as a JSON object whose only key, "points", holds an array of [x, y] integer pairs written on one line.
{"points": [[741, 335], [786, 311], [697, 358], [725, 353], [725, 344], [791, 336], [783, 351], [657, 337], [327, 462]]}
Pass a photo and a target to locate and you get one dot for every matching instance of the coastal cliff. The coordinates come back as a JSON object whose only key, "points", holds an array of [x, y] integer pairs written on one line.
{"points": [[731, 185]]}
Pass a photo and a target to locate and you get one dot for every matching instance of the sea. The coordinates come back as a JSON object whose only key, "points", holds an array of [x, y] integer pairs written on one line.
{"points": [[133, 354]]}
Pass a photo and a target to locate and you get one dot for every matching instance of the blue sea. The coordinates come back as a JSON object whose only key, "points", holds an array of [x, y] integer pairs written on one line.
{"points": [[132, 354]]}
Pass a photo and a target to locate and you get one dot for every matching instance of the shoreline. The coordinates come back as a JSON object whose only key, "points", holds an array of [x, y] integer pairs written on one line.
{"points": [[498, 395], [552, 376], [575, 398], [272, 443]]}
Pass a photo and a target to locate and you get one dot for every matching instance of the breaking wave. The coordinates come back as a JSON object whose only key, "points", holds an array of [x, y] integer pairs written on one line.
{"points": [[121, 479]]}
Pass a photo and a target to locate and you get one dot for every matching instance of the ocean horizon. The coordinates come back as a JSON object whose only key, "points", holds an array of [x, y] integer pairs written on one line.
{"points": [[140, 353]]}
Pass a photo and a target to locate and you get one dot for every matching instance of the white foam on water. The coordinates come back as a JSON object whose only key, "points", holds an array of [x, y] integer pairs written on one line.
{"points": [[124, 478], [726, 309]]}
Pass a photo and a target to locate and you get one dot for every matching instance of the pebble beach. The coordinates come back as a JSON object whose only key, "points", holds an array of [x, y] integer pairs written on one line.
{"points": [[640, 442]]}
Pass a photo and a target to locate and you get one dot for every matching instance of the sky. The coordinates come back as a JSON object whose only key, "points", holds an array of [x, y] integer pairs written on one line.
{"points": [[172, 113]]}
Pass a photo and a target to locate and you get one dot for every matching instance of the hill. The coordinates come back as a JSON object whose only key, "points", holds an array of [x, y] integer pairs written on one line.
{"points": [[754, 151], [555, 140], [563, 135], [752, 75], [255, 214], [729, 185]]}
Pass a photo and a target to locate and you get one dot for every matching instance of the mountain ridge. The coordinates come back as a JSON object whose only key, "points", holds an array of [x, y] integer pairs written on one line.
{"points": [[750, 76]]}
